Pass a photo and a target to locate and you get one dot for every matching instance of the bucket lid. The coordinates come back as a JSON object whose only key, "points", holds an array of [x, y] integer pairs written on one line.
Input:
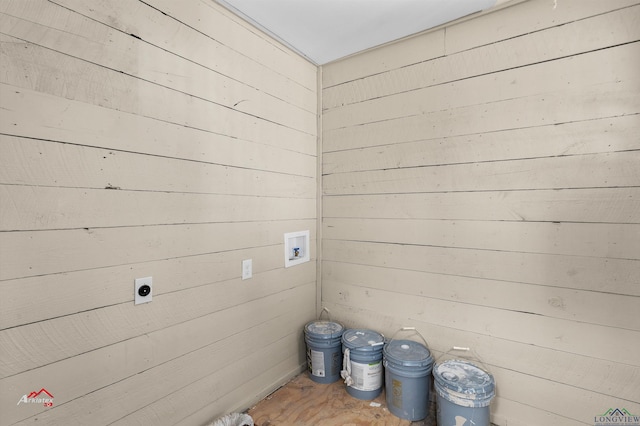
{"points": [[408, 353], [363, 339], [324, 329], [464, 377]]}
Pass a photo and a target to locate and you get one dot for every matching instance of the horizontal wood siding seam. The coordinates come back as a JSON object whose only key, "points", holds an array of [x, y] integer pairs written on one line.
{"points": [[616, 276], [562, 41], [77, 79], [587, 205], [39, 344], [558, 140], [616, 241], [573, 105], [182, 365], [233, 32], [105, 283], [556, 302], [559, 75], [46, 208], [101, 168], [607, 170], [58, 251], [79, 123]]}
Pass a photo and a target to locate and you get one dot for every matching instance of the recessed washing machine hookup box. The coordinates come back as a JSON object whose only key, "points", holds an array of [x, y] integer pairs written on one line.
{"points": [[296, 248]]}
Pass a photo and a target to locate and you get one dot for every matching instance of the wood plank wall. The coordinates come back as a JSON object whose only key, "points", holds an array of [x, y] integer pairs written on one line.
{"points": [[149, 138], [482, 182]]}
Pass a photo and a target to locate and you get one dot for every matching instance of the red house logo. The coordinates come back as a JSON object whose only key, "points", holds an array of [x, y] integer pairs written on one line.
{"points": [[43, 396]]}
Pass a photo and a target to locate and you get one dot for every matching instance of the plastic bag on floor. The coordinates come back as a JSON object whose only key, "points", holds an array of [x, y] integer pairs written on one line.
{"points": [[235, 419]]}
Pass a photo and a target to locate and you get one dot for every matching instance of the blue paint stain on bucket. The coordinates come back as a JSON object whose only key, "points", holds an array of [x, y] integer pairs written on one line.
{"points": [[324, 350], [408, 366], [464, 392], [362, 363]]}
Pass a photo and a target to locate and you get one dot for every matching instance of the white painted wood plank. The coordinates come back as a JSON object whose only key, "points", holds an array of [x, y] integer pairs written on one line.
{"points": [[612, 205], [616, 276], [201, 45], [39, 115], [621, 241], [49, 165], [599, 32], [586, 72], [579, 171], [575, 138], [58, 28], [505, 412], [580, 371], [207, 364], [516, 21], [573, 403], [485, 29], [256, 321], [39, 344], [39, 208], [562, 335], [57, 295], [73, 250], [82, 81], [606, 309], [378, 61], [283, 355], [235, 33], [611, 100], [275, 355]]}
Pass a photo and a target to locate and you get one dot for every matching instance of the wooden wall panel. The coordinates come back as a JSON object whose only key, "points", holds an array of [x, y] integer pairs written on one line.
{"points": [[611, 99], [557, 302], [617, 169], [538, 142], [161, 353], [495, 87], [77, 79], [604, 205], [61, 29], [145, 139], [489, 197], [597, 274], [562, 37]]}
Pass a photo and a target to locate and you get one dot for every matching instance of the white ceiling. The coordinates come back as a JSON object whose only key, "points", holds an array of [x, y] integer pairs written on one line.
{"points": [[326, 30]]}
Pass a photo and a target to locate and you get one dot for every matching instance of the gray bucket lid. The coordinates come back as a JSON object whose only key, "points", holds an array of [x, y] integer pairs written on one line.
{"points": [[324, 329], [362, 339], [408, 353], [464, 377]]}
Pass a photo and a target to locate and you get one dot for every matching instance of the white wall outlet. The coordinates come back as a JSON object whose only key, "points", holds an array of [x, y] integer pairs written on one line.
{"points": [[143, 290], [247, 269]]}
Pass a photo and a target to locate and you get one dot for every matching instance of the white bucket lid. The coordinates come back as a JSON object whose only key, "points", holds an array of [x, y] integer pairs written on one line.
{"points": [[408, 353], [464, 378], [324, 329], [363, 339]]}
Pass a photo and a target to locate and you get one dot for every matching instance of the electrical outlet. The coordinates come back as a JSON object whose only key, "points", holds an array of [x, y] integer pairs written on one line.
{"points": [[143, 290], [247, 269]]}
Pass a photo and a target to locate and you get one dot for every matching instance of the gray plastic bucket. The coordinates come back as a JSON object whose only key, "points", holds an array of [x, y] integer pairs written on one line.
{"points": [[365, 364], [464, 392], [407, 367], [323, 339]]}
